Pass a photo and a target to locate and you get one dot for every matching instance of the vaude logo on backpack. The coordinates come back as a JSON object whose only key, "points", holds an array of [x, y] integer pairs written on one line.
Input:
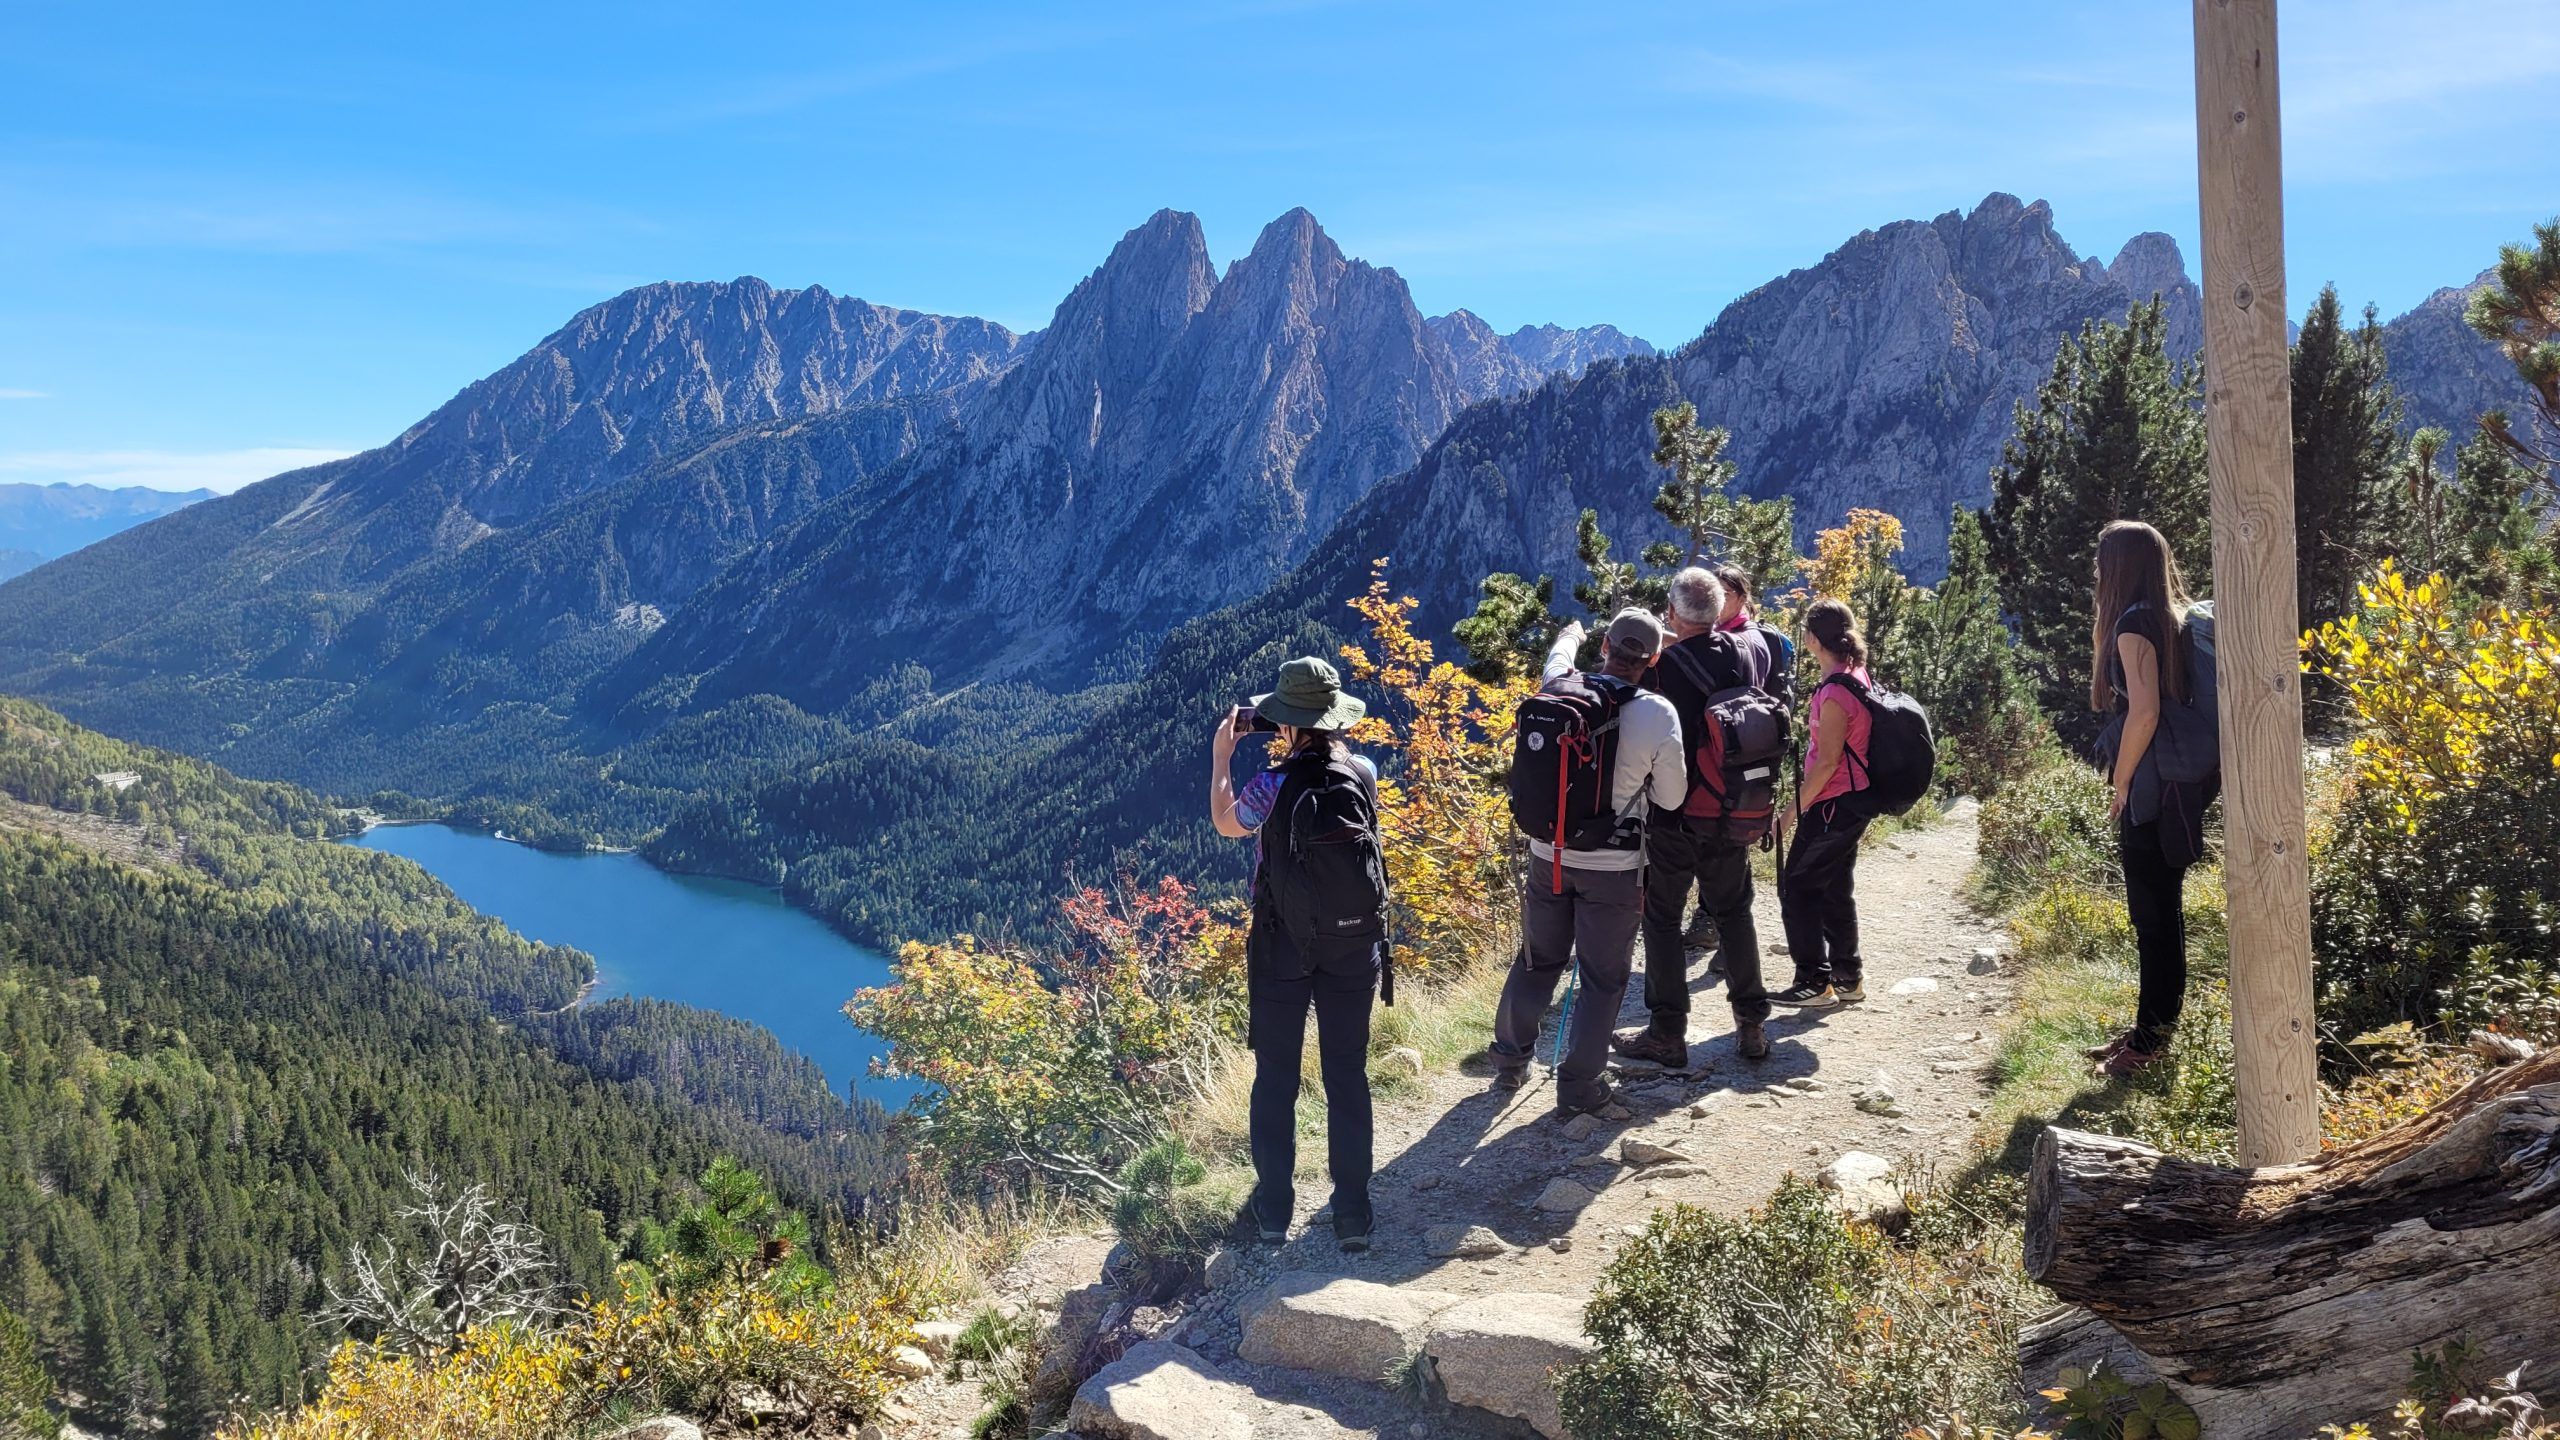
{"points": [[1902, 756], [1322, 864], [1563, 757], [1736, 757]]}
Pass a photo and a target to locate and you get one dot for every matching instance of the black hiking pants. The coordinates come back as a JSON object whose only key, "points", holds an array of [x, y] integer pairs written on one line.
{"points": [[1817, 896], [1281, 987], [2155, 898], [1681, 857]]}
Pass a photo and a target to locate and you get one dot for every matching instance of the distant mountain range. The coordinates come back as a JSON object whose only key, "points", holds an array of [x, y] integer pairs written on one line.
{"points": [[39, 522], [707, 535]]}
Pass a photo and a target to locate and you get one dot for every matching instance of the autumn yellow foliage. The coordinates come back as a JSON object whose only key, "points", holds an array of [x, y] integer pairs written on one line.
{"points": [[2440, 699], [822, 1358], [1446, 820]]}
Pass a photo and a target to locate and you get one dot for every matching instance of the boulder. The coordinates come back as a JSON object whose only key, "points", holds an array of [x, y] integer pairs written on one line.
{"points": [[665, 1427], [1861, 1187], [1563, 1195], [1463, 1242], [1220, 1268], [1580, 1126], [910, 1362], [1876, 1097], [1913, 985], [936, 1337], [1160, 1391], [1495, 1353], [1335, 1325], [1986, 961]]}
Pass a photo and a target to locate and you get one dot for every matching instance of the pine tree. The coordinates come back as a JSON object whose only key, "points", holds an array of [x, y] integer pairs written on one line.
{"points": [[24, 1390], [2520, 314], [2485, 531], [1956, 657], [2116, 432], [1508, 634], [2346, 448], [1698, 500], [1613, 584], [198, 1403]]}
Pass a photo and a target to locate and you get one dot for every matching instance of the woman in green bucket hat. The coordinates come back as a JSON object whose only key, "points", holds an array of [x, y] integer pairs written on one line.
{"points": [[1318, 937]]}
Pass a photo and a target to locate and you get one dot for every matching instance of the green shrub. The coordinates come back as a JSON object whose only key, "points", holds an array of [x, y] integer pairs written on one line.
{"points": [[2047, 828], [1791, 1323], [24, 1390], [1169, 1209]]}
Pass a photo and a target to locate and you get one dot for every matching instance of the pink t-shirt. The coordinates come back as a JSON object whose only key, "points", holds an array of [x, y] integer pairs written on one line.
{"points": [[1830, 700]]}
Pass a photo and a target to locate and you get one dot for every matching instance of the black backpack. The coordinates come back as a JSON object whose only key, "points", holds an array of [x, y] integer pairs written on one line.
{"points": [[1902, 755], [2190, 743], [1564, 753], [1782, 664], [1744, 733], [1323, 867]]}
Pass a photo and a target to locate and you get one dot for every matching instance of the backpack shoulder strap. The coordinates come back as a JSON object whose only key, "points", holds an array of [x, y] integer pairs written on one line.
{"points": [[1691, 666]]}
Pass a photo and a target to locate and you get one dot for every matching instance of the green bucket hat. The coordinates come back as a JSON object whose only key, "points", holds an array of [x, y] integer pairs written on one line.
{"points": [[1310, 697]]}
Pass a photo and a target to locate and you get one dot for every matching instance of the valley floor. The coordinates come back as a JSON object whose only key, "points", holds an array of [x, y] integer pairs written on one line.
{"points": [[1458, 1153]]}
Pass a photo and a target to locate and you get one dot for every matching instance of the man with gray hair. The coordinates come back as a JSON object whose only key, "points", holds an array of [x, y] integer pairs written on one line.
{"points": [[1701, 840]]}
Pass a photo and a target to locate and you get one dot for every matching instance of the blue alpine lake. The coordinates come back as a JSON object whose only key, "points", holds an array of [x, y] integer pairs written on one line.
{"points": [[719, 944]]}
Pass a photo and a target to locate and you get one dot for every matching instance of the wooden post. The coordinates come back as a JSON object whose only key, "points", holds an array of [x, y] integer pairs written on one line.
{"points": [[2249, 426]]}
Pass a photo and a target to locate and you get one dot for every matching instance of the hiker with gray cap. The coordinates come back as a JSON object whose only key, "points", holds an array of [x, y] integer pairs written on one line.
{"points": [[1318, 935], [1593, 755]]}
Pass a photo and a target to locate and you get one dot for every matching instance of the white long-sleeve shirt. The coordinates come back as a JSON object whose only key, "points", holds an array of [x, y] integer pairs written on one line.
{"points": [[1651, 764]]}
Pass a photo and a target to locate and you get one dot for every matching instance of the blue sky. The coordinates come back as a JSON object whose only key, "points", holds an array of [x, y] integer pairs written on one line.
{"points": [[234, 238]]}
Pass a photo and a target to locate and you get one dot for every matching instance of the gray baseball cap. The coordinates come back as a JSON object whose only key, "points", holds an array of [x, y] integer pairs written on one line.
{"points": [[1636, 635]]}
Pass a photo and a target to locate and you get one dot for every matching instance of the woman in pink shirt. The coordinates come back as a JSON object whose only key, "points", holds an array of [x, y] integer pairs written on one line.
{"points": [[1816, 891]]}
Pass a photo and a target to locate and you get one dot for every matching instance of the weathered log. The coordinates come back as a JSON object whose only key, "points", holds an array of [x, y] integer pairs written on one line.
{"points": [[2280, 1299]]}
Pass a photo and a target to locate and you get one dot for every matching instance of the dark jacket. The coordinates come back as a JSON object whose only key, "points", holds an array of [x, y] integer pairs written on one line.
{"points": [[1720, 657]]}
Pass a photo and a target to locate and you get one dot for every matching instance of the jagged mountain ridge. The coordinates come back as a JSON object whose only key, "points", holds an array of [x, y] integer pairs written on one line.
{"points": [[1490, 363], [2445, 373], [1175, 441]]}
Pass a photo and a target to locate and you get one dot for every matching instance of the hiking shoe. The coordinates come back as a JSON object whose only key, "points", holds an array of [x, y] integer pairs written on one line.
{"points": [[1353, 1235], [1851, 993], [2100, 1054], [1752, 1039], [1661, 1049], [1249, 1227], [1511, 1077], [1606, 1099], [1806, 997], [2128, 1060]]}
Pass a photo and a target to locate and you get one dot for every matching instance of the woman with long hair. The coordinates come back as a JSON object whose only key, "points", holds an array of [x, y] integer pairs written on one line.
{"points": [[2137, 662], [1817, 898], [1285, 977]]}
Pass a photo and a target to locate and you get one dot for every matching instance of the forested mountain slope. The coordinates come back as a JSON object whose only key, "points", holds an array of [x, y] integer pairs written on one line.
{"points": [[229, 1041]]}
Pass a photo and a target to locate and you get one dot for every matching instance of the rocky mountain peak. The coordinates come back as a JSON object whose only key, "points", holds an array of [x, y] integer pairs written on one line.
{"points": [[2150, 264]]}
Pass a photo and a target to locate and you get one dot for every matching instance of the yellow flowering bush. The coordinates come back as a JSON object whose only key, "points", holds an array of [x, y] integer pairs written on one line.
{"points": [[1443, 813], [2434, 894], [733, 1354]]}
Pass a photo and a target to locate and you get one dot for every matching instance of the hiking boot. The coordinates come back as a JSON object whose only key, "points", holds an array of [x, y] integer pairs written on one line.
{"points": [[2129, 1059], [1806, 996], [1851, 993], [1593, 1106], [1752, 1038], [1666, 1051], [1511, 1077], [2101, 1054], [1353, 1235]]}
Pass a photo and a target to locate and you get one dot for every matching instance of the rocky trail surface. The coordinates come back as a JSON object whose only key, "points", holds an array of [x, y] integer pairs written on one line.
{"points": [[1496, 1216]]}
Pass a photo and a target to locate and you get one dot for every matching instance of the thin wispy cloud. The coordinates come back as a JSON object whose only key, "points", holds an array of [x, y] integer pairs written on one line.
{"points": [[218, 470], [23, 395]]}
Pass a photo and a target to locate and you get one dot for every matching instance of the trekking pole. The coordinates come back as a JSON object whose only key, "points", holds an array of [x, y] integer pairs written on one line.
{"points": [[1564, 1017]]}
